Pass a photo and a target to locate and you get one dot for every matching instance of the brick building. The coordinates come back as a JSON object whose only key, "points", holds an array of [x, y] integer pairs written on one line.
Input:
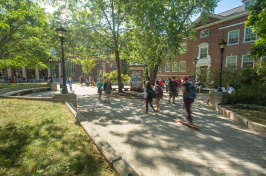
{"points": [[229, 26]]}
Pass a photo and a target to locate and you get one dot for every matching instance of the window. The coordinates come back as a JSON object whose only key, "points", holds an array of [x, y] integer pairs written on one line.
{"points": [[70, 68], [204, 33], [248, 4], [54, 70], [113, 67], [174, 67], [231, 62], [167, 67], [182, 66], [249, 35], [203, 52], [159, 69], [2, 73], [233, 37], [183, 48], [17, 71], [104, 67], [247, 62]]}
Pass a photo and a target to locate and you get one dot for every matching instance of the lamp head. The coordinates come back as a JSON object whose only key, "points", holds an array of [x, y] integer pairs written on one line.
{"points": [[61, 32], [196, 59], [222, 44]]}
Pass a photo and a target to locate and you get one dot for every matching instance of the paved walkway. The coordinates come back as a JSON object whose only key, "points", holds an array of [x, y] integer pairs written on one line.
{"points": [[155, 145]]}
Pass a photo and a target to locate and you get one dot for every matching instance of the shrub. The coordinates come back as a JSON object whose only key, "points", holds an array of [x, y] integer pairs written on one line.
{"points": [[114, 77], [252, 94]]}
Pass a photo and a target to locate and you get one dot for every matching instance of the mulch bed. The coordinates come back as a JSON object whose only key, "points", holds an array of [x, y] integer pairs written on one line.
{"points": [[244, 108]]}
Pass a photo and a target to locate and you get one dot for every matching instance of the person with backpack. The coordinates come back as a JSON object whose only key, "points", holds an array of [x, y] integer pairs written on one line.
{"points": [[149, 94], [189, 94], [107, 89], [173, 87], [158, 94]]}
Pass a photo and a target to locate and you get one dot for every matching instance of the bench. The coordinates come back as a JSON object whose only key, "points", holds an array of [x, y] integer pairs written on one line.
{"points": [[26, 91]]}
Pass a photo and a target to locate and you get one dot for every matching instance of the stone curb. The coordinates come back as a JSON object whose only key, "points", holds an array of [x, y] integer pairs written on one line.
{"points": [[240, 119], [121, 167]]}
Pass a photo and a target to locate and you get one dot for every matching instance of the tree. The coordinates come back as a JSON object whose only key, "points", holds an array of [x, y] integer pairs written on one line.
{"points": [[24, 34], [87, 64], [257, 20], [160, 27]]}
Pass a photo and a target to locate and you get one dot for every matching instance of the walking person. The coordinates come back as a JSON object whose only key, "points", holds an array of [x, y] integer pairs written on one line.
{"points": [[70, 81], [167, 82], [149, 94], [14, 79], [172, 86], [107, 89], [189, 93], [179, 85], [158, 94], [100, 88], [81, 80]]}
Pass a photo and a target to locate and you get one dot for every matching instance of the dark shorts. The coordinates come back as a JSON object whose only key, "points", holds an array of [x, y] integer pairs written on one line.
{"points": [[172, 94], [100, 91], [81, 82]]}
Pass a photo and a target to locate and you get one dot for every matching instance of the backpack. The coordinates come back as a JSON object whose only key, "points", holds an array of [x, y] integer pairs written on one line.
{"points": [[191, 91], [159, 92], [151, 94]]}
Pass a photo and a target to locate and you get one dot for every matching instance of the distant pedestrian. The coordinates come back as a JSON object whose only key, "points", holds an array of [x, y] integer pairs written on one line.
{"points": [[189, 93], [100, 88], [60, 82], [81, 80], [179, 85], [13, 79], [90, 81], [166, 84], [172, 86], [70, 81], [158, 94], [107, 89], [149, 94]]}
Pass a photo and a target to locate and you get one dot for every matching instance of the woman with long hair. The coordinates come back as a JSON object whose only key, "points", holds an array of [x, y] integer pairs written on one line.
{"points": [[148, 93], [107, 89]]}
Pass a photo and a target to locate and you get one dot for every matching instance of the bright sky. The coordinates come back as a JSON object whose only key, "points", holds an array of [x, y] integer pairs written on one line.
{"points": [[223, 6]]}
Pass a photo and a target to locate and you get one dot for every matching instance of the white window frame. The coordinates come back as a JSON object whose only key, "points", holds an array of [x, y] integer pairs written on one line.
{"points": [[180, 63], [226, 64], [244, 41], [166, 67], [203, 31], [237, 36], [243, 59], [204, 45], [174, 70], [159, 69], [183, 48]]}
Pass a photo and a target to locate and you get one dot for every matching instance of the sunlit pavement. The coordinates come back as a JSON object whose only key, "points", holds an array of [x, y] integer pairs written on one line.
{"points": [[155, 145]]}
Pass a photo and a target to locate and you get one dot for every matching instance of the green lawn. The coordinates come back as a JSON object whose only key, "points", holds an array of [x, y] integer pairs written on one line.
{"points": [[3, 86], [43, 138]]}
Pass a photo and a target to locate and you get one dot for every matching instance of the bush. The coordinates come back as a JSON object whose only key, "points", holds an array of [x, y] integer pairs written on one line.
{"points": [[114, 77], [252, 94]]}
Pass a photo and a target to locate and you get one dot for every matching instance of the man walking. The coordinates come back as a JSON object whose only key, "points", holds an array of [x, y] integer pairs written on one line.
{"points": [[172, 86], [189, 93]]}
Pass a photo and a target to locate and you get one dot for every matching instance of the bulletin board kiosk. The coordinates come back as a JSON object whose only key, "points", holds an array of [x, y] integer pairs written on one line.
{"points": [[136, 73]]}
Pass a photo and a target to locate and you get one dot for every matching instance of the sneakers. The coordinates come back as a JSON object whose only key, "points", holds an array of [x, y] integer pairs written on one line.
{"points": [[168, 101], [173, 102]]}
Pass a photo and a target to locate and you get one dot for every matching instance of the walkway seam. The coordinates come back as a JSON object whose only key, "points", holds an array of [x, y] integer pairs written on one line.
{"points": [[121, 166]]}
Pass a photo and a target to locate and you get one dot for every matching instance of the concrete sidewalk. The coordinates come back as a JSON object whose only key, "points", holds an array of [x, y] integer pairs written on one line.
{"points": [[154, 144]]}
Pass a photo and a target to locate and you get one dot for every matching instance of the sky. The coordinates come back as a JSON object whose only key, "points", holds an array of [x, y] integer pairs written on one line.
{"points": [[223, 6]]}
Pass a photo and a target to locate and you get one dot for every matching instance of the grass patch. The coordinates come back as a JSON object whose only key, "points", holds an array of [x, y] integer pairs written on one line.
{"points": [[253, 112], [4, 86], [43, 138]]}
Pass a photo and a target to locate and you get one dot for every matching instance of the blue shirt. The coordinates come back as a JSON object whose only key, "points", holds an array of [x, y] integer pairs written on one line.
{"points": [[100, 86]]}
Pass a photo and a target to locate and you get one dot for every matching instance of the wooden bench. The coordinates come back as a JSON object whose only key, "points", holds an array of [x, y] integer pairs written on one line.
{"points": [[26, 91]]}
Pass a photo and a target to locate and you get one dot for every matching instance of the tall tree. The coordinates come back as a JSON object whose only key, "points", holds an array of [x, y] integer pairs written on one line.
{"points": [[162, 25], [24, 34], [257, 20]]}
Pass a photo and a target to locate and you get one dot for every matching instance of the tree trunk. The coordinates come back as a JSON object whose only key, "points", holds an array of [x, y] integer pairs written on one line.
{"points": [[153, 75], [118, 71]]}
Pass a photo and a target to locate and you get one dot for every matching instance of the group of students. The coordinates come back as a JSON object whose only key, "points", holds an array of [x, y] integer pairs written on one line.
{"points": [[172, 86], [107, 87], [91, 81]]}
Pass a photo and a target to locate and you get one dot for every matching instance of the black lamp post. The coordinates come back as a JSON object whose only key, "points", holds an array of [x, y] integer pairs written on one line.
{"points": [[62, 34], [51, 60], [222, 46], [196, 60]]}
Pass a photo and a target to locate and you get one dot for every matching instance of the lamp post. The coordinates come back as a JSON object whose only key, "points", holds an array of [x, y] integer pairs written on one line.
{"points": [[196, 60], [222, 46], [50, 60], [62, 34]]}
